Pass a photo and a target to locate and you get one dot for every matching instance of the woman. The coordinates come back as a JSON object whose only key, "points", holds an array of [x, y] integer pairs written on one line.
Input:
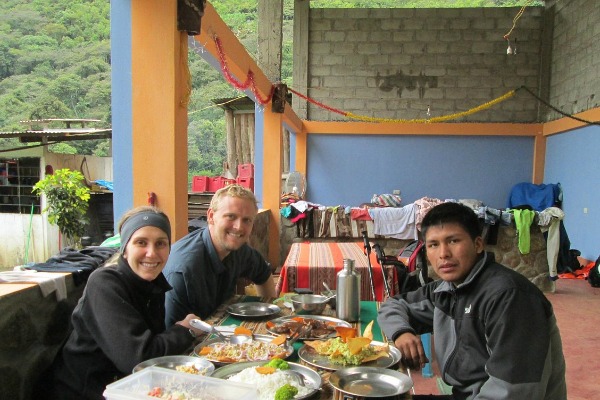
{"points": [[119, 320]]}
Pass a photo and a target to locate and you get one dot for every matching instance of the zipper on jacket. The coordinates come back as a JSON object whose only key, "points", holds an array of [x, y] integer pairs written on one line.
{"points": [[453, 315]]}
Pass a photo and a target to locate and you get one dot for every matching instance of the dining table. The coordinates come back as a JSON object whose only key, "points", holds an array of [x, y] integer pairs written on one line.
{"points": [[368, 312], [309, 264]]}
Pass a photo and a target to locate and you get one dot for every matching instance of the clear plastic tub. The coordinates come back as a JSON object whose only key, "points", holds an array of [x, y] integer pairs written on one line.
{"points": [[156, 382]]}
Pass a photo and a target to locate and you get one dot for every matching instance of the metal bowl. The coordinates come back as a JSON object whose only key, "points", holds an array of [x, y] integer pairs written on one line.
{"points": [[369, 382], [308, 304]]}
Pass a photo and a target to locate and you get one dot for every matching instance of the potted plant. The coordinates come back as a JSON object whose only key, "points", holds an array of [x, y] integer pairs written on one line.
{"points": [[67, 199]]}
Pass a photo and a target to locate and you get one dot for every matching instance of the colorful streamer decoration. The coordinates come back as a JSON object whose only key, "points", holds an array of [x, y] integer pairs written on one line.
{"points": [[250, 83]]}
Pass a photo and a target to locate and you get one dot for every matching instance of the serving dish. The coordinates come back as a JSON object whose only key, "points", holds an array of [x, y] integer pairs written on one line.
{"points": [[311, 378], [310, 356], [308, 304], [173, 362], [290, 322], [287, 350], [369, 382], [253, 309]]}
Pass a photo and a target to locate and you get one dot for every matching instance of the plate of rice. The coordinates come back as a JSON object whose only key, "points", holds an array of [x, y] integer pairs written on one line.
{"points": [[268, 384]]}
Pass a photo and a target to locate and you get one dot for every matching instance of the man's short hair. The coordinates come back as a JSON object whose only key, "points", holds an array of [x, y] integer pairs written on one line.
{"points": [[451, 212], [232, 191]]}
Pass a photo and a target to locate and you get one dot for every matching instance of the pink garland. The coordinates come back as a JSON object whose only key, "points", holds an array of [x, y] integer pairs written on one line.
{"points": [[249, 83]]}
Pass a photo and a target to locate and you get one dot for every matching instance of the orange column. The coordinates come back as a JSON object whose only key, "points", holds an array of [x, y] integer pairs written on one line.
{"points": [[271, 190], [159, 109]]}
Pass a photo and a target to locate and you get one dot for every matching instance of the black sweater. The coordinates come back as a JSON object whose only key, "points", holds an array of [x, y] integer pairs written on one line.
{"points": [[118, 323]]}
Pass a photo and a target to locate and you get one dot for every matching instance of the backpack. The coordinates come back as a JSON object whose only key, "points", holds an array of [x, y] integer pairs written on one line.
{"points": [[411, 265], [594, 274]]}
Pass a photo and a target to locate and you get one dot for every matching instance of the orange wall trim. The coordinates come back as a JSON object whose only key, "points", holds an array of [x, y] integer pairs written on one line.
{"points": [[436, 129], [567, 124]]}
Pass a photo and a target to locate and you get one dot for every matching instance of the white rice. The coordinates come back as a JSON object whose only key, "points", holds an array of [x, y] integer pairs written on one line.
{"points": [[268, 384]]}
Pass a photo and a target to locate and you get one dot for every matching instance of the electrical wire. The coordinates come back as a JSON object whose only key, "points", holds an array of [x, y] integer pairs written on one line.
{"points": [[585, 121], [516, 18]]}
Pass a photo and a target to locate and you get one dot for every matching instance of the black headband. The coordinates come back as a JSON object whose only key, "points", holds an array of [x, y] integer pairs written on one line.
{"points": [[137, 221]]}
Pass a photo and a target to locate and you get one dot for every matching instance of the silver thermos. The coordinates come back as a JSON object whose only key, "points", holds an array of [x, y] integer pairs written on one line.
{"points": [[348, 293]]}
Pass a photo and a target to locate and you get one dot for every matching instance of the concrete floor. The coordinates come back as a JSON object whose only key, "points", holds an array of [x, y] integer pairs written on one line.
{"points": [[577, 307]]}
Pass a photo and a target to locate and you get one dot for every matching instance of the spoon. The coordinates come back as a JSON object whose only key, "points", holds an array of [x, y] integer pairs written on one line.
{"points": [[206, 327], [327, 287], [329, 298]]}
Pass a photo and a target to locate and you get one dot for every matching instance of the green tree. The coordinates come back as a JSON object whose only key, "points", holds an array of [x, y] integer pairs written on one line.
{"points": [[67, 200]]}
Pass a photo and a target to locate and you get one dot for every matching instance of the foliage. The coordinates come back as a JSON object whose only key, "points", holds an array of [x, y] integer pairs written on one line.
{"points": [[55, 62], [67, 200]]}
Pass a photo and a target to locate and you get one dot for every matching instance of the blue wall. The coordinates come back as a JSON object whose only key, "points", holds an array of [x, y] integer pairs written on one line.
{"points": [[573, 159], [121, 104], [349, 169]]}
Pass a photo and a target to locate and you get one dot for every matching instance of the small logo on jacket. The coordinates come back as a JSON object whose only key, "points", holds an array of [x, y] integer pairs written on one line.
{"points": [[468, 309]]}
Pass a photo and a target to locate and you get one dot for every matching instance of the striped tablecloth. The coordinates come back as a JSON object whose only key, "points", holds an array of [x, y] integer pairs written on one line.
{"points": [[368, 313], [309, 264]]}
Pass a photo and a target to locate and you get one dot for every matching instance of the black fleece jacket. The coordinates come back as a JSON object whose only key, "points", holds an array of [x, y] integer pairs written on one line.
{"points": [[118, 323]]}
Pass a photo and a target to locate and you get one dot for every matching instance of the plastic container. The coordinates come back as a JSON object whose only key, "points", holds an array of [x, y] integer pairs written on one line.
{"points": [[199, 183], [245, 170], [189, 386], [248, 183], [348, 293]]}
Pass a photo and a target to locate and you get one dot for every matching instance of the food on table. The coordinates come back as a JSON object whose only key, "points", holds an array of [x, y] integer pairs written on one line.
{"points": [[252, 350], [242, 330], [315, 328], [279, 339], [273, 383], [348, 349], [192, 369], [178, 394], [278, 363], [286, 392], [368, 332]]}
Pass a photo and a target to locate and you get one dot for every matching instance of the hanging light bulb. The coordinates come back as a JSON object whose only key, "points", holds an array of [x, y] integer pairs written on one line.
{"points": [[428, 111], [509, 50]]}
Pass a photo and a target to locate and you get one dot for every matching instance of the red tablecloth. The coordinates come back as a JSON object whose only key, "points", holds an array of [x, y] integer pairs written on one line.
{"points": [[310, 264]]}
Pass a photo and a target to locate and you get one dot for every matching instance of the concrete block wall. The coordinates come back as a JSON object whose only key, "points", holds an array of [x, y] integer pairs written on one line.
{"points": [[575, 67], [398, 63]]}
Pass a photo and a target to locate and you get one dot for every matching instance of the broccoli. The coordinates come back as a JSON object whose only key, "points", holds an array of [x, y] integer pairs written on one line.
{"points": [[278, 363], [286, 392]]}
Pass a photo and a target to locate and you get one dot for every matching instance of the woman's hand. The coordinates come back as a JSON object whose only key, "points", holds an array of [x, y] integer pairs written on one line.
{"points": [[411, 348], [186, 323]]}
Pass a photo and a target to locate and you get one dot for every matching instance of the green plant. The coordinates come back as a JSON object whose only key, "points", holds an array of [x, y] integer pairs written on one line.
{"points": [[67, 200]]}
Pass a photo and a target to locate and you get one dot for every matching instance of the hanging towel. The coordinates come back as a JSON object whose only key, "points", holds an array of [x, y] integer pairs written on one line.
{"points": [[549, 220], [523, 220], [395, 222]]}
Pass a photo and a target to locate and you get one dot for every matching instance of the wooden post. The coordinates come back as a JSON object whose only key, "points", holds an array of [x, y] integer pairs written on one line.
{"points": [[231, 142]]}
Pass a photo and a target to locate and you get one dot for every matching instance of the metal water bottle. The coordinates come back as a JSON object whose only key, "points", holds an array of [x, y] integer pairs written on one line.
{"points": [[348, 292]]}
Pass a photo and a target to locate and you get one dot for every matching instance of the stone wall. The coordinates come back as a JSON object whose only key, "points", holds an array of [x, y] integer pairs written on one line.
{"points": [[533, 265], [574, 76], [398, 63]]}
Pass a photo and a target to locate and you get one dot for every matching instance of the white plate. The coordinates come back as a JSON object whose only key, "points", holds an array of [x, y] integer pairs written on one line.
{"points": [[311, 378], [310, 356]]}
